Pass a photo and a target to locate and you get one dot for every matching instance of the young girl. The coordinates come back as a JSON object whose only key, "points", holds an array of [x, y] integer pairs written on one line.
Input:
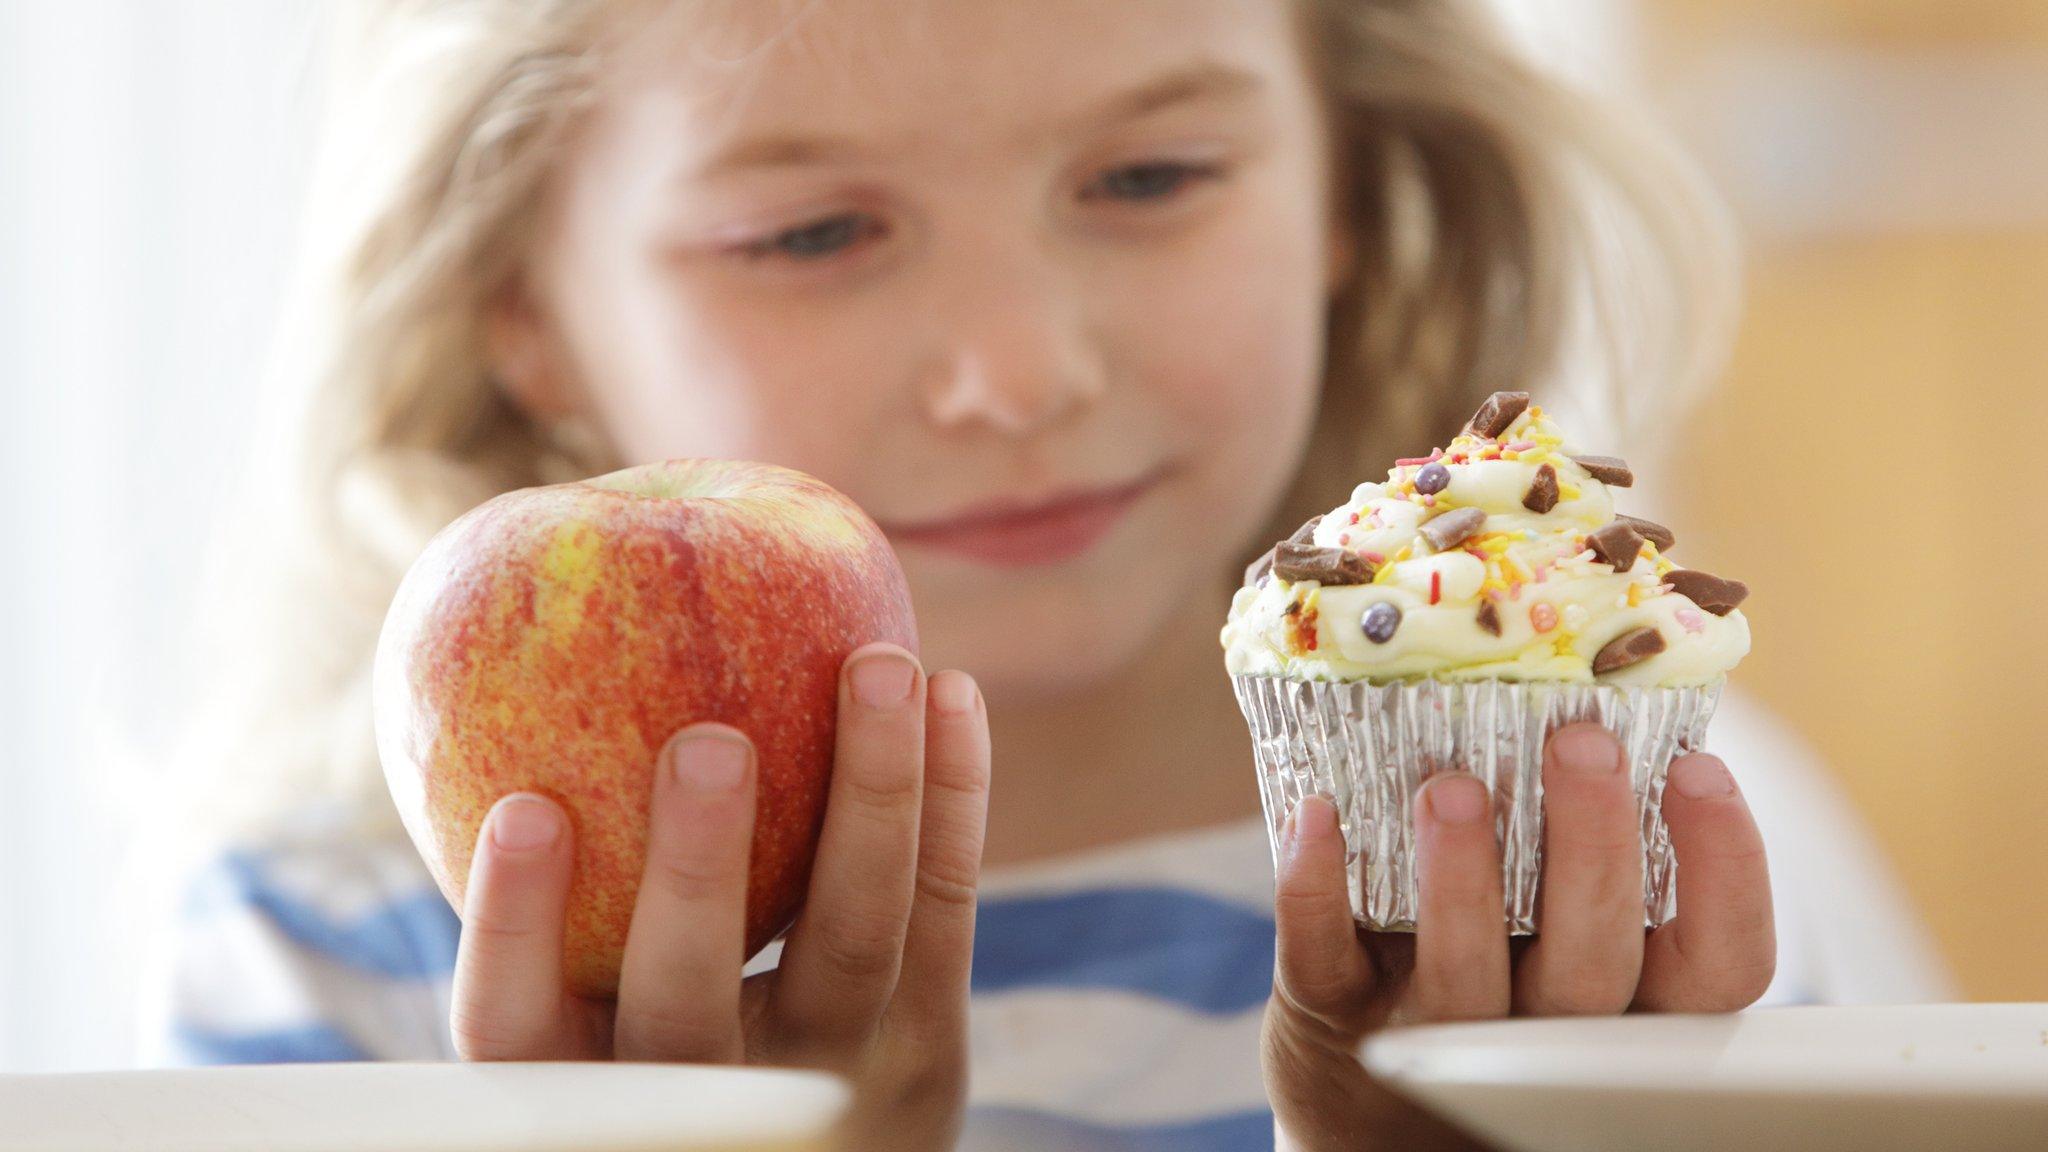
{"points": [[1084, 303]]}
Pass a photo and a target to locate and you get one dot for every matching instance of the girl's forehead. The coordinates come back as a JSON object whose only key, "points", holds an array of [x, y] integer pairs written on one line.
{"points": [[869, 68]]}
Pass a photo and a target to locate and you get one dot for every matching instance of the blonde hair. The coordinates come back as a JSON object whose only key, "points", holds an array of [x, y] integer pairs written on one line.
{"points": [[1497, 218]]}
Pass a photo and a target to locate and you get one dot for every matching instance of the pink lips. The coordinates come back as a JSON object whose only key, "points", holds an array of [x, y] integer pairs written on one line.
{"points": [[1031, 532]]}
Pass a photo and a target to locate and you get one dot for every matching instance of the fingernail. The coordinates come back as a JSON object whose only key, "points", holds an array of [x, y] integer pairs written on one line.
{"points": [[882, 680], [1590, 750], [1312, 821], [1702, 778], [1456, 798], [953, 693], [524, 824], [709, 763]]}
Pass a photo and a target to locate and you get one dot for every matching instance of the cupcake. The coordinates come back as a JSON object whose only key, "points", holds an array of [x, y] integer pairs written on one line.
{"points": [[1449, 618]]}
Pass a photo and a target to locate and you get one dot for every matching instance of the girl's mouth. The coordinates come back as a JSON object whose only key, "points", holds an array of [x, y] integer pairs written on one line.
{"points": [[1033, 531]]}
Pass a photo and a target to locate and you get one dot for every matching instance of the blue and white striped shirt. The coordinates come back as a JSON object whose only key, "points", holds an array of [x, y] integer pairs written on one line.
{"points": [[1117, 994]]}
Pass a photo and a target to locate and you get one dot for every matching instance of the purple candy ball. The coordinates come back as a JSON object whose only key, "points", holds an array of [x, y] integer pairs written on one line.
{"points": [[1380, 622], [1433, 479]]}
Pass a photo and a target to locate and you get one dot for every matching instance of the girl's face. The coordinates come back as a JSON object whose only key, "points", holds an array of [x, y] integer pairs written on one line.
{"points": [[1041, 284]]}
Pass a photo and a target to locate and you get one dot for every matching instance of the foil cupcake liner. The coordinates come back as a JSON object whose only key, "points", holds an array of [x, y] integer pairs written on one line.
{"points": [[1369, 747]]}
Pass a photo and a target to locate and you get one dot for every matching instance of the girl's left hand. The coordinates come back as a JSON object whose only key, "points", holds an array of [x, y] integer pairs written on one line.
{"points": [[1334, 984]]}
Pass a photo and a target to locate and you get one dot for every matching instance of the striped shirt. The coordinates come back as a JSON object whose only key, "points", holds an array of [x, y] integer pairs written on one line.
{"points": [[1117, 994]]}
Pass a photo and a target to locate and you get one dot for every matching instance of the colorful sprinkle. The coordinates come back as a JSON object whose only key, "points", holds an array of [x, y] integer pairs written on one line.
{"points": [[1436, 587], [1304, 629], [1386, 573], [1432, 479], [1691, 619], [1542, 617]]}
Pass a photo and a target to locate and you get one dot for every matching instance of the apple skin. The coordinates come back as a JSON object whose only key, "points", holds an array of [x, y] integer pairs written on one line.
{"points": [[552, 639]]}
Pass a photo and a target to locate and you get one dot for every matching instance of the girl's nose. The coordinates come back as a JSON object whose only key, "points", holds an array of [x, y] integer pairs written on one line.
{"points": [[1014, 359]]}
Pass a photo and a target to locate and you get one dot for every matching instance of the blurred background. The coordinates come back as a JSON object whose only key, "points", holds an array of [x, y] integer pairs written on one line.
{"points": [[1864, 463], [1867, 459]]}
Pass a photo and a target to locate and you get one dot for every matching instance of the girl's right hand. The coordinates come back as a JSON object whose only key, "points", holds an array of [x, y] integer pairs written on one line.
{"points": [[873, 979]]}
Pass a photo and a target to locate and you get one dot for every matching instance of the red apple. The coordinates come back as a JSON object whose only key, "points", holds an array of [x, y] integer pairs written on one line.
{"points": [[552, 639]]}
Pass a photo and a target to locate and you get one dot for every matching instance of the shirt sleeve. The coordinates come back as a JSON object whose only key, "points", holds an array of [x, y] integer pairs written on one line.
{"points": [[301, 952]]}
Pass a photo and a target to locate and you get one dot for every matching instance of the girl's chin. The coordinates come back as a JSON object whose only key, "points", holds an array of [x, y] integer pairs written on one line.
{"points": [[1048, 655]]}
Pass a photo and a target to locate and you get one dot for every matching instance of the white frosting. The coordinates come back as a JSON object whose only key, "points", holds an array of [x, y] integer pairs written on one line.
{"points": [[1555, 603]]}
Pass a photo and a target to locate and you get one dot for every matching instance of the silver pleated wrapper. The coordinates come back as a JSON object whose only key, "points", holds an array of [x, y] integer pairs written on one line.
{"points": [[1369, 747]]}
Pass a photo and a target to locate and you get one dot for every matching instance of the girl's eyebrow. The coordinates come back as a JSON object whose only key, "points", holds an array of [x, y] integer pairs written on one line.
{"points": [[1204, 80]]}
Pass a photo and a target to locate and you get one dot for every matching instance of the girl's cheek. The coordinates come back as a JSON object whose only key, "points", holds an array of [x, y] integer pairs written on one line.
{"points": [[697, 374], [1233, 339]]}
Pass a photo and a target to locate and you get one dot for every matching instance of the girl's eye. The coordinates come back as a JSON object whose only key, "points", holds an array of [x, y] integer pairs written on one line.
{"points": [[1154, 180], [817, 240]]}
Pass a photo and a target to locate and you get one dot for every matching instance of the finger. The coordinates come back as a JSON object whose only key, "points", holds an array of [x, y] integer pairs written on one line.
{"points": [[1589, 950], [1320, 971], [938, 951], [843, 956], [1461, 939], [509, 1001], [1721, 951], [679, 986]]}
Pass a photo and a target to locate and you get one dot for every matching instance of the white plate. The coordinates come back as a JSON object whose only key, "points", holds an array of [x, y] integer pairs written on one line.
{"points": [[422, 1108], [1948, 1077]]}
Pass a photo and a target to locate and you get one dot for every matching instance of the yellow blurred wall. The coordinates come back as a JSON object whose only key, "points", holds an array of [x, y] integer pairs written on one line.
{"points": [[1876, 465]]}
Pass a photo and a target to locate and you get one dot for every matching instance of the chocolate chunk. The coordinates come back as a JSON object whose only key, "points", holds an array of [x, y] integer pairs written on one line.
{"points": [[1713, 593], [1255, 572], [1650, 530], [1433, 479], [1380, 622], [1489, 617], [1542, 494], [1612, 470], [1306, 534], [1453, 528], [1497, 413], [1631, 647], [1298, 562], [1616, 545]]}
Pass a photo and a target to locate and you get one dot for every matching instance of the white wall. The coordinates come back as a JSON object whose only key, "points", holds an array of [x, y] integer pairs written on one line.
{"points": [[148, 160]]}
